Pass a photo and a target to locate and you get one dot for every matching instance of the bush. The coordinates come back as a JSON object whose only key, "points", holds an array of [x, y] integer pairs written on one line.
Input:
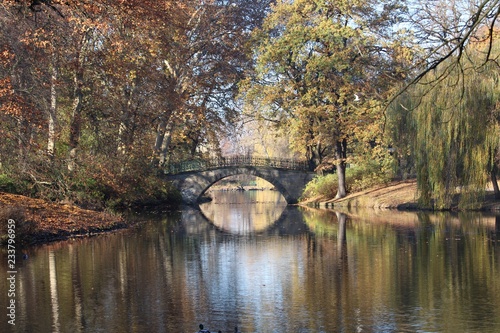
{"points": [[111, 187], [366, 175], [10, 184], [7, 184], [24, 229], [89, 192], [322, 187], [358, 178]]}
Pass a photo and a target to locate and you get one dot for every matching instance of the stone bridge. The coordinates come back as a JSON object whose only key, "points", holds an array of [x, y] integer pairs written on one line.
{"points": [[193, 178]]}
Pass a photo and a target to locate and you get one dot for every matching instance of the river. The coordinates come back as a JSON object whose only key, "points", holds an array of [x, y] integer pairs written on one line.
{"points": [[246, 259]]}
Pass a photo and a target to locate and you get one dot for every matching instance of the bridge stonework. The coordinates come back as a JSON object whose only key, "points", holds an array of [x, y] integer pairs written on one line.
{"points": [[290, 183]]}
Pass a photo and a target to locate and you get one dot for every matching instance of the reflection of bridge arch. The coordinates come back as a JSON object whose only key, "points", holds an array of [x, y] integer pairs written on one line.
{"points": [[289, 182], [289, 222]]}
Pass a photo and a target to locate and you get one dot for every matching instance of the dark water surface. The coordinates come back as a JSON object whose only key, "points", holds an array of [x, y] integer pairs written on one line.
{"points": [[265, 267]]}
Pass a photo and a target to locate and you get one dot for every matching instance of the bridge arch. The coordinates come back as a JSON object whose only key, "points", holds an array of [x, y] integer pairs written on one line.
{"points": [[290, 183], [229, 172]]}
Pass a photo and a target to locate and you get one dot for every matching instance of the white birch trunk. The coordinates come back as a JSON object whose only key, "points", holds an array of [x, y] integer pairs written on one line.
{"points": [[52, 117]]}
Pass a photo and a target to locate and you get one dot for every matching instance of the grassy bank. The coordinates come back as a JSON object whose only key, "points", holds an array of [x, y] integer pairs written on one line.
{"points": [[394, 195]]}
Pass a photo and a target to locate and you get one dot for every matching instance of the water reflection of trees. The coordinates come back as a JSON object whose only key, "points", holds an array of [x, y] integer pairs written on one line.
{"points": [[423, 268], [439, 265], [107, 282]]}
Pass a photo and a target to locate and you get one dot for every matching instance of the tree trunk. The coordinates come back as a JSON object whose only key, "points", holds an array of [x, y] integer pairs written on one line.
{"points": [[125, 136], [75, 126], [494, 181], [52, 116], [122, 132], [21, 141], [340, 155], [314, 156], [167, 136], [162, 143], [160, 134]]}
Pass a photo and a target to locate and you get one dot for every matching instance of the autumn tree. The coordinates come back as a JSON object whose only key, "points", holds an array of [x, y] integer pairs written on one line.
{"points": [[203, 61], [320, 68], [97, 89], [29, 72]]}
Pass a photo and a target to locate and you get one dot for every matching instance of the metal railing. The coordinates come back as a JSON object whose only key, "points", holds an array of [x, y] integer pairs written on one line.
{"points": [[235, 161]]}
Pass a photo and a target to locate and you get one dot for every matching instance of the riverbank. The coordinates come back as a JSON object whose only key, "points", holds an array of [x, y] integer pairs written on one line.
{"points": [[40, 221], [401, 195]]}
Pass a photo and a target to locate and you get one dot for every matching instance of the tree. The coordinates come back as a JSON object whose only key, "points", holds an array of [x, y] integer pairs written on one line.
{"points": [[456, 128], [29, 80], [202, 71], [320, 66], [445, 28], [451, 100]]}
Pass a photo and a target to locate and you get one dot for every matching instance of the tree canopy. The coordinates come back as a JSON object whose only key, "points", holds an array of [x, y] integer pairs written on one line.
{"points": [[321, 67], [454, 129], [97, 96], [91, 91]]}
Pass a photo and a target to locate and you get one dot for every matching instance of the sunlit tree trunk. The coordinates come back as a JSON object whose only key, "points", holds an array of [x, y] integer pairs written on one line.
{"points": [[75, 126], [52, 116], [122, 129], [340, 156], [167, 138], [163, 139]]}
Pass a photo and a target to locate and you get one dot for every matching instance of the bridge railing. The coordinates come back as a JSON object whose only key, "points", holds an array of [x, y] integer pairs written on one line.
{"points": [[235, 161]]}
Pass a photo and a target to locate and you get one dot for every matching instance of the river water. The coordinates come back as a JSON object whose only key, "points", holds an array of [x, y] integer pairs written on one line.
{"points": [[248, 260]]}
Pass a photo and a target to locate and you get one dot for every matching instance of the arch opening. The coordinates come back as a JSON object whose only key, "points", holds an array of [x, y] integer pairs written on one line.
{"points": [[243, 182], [243, 204], [192, 185]]}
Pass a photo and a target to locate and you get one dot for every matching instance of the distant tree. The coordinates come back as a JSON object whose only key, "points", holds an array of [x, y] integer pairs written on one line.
{"points": [[203, 60]]}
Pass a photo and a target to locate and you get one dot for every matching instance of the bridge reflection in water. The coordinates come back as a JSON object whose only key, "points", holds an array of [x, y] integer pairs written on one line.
{"points": [[245, 212]]}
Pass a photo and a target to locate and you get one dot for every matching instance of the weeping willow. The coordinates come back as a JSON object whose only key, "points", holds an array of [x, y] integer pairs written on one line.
{"points": [[454, 116]]}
